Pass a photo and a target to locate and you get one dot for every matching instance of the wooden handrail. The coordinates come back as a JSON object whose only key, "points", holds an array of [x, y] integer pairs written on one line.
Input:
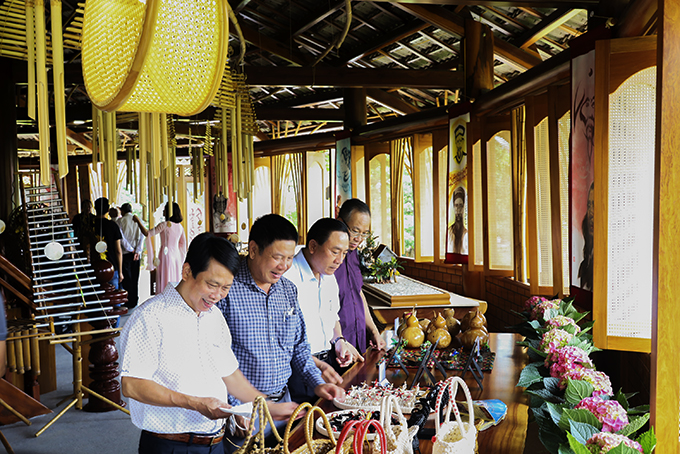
{"points": [[9, 268]]}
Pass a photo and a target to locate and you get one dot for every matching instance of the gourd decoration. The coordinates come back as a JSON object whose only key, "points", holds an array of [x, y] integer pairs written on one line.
{"points": [[413, 334], [425, 324], [439, 331]]}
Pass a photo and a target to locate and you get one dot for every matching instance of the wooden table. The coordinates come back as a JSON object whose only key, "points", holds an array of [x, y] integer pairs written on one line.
{"points": [[507, 437]]}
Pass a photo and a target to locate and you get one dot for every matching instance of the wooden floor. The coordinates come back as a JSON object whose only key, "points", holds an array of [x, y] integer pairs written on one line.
{"points": [[508, 437]]}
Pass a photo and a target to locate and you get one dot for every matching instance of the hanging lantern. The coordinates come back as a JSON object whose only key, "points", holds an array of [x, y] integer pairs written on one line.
{"points": [[54, 250], [162, 56], [100, 247], [2, 226]]}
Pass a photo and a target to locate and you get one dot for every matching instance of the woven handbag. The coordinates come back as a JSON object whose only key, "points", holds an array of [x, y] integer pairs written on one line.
{"points": [[355, 445], [311, 446], [454, 437], [254, 442], [399, 436]]}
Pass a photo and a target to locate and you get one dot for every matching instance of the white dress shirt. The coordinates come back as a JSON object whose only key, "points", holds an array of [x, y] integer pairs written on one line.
{"points": [[166, 342], [134, 240], [318, 300]]}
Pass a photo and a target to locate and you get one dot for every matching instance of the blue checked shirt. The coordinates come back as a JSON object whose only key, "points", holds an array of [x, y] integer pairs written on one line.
{"points": [[268, 332]]}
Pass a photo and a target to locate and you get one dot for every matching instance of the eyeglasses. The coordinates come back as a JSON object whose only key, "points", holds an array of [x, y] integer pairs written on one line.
{"points": [[355, 233]]}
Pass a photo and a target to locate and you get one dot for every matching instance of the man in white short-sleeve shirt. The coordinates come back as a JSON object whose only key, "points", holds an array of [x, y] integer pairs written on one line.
{"points": [[312, 273], [177, 365]]}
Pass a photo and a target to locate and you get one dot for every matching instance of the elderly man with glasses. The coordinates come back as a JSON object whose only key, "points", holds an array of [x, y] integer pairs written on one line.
{"points": [[357, 324]]}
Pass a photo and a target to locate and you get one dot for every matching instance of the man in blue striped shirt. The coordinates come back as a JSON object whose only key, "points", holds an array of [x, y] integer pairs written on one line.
{"points": [[268, 330]]}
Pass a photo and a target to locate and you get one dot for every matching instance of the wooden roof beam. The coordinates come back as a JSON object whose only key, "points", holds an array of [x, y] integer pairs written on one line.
{"points": [[391, 101], [392, 37], [452, 23], [307, 114], [321, 17], [354, 77], [547, 25], [320, 97], [272, 45]]}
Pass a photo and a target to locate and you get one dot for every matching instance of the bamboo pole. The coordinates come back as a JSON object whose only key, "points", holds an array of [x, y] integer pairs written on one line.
{"points": [[11, 354], [26, 347], [142, 194], [234, 152], [239, 147], [95, 128], [43, 102], [30, 43], [35, 351], [59, 89]]}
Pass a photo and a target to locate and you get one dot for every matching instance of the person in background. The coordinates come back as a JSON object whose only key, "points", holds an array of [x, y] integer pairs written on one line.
{"points": [[177, 366], [355, 317], [82, 226], [132, 252], [114, 214], [312, 273], [173, 247], [109, 232], [266, 323]]}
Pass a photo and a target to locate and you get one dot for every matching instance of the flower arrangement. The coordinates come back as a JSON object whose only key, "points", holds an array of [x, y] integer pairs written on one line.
{"points": [[574, 404]]}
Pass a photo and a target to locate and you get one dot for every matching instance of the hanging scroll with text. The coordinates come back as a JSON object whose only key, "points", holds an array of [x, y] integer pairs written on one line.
{"points": [[457, 219], [343, 172]]}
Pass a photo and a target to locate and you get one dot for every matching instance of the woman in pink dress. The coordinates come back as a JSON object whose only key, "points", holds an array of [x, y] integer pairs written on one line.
{"points": [[170, 257]]}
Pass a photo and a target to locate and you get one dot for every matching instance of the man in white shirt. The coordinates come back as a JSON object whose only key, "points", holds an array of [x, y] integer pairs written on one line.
{"points": [[312, 273], [177, 365], [132, 251]]}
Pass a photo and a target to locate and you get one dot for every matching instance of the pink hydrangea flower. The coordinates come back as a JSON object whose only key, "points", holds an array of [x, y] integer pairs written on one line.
{"points": [[609, 412], [602, 386], [562, 320], [602, 442], [554, 339], [533, 301], [539, 309], [564, 359]]}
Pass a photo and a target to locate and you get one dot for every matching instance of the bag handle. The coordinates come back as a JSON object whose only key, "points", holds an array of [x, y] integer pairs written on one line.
{"points": [[362, 431], [309, 426], [452, 385], [346, 429], [260, 409], [389, 405]]}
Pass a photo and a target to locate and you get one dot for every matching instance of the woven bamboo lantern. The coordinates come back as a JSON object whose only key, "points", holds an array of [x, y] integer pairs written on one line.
{"points": [[160, 56]]}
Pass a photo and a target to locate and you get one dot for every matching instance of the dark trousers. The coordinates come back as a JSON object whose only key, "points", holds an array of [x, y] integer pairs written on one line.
{"points": [[131, 279], [148, 444], [300, 391]]}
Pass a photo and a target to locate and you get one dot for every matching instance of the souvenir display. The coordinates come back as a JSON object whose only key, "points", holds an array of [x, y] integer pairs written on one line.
{"points": [[369, 397], [338, 420]]}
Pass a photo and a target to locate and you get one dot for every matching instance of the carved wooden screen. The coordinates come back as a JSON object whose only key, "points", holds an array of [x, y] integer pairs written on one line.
{"points": [[625, 116]]}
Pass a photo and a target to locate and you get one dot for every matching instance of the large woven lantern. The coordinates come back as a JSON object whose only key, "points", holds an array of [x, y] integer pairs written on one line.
{"points": [[163, 56]]}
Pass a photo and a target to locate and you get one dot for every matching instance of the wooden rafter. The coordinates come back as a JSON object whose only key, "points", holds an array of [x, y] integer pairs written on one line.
{"points": [[547, 25], [391, 101], [272, 45], [320, 17], [392, 37]]}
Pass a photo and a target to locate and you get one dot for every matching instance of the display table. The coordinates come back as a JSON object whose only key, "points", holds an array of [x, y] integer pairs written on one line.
{"points": [[507, 437]]}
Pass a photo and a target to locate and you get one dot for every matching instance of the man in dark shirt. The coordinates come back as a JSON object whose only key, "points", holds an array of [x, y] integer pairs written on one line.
{"points": [[355, 317], [109, 232], [82, 226]]}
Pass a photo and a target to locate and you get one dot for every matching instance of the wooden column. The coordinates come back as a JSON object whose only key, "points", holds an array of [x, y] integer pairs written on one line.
{"points": [[84, 183], [354, 102], [478, 59], [9, 162], [71, 193], [665, 379]]}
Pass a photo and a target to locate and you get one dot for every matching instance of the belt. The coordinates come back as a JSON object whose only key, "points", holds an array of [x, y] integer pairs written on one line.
{"points": [[275, 397], [322, 356], [190, 438]]}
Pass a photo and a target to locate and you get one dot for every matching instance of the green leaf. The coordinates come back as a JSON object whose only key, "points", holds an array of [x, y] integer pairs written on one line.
{"points": [[577, 390], [639, 410], [635, 423], [582, 431], [549, 314], [552, 384], [538, 352], [551, 439], [545, 395], [581, 416], [577, 446], [564, 449], [623, 449], [648, 441], [621, 398], [529, 375], [555, 411]]}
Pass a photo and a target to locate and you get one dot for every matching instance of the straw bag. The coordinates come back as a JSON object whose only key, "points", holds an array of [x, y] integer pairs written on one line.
{"points": [[320, 446], [254, 442], [356, 445], [399, 436], [454, 437]]}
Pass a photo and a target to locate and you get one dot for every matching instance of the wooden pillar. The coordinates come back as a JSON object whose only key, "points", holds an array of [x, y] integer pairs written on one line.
{"points": [[71, 193], [9, 162], [354, 102], [84, 183], [665, 374], [478, 59]]}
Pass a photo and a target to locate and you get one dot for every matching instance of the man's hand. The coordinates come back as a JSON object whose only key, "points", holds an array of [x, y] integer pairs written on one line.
{"points": [[377, 342], [135, 258], [120, 277], [327, 372], [346, 354], [281, 411], [240, 430], [209, 407], [329, 391]]}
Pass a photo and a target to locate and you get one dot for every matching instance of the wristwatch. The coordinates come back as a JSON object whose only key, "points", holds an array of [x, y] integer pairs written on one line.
{"points": [[335, 341]]}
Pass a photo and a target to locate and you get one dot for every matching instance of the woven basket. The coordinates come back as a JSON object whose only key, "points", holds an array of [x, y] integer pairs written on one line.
{"points": [[311, 446], [454, 437], [348, 445], [399, 436], [254, 442]]}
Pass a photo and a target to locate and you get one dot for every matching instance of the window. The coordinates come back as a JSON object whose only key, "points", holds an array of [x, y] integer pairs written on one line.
{"points": [[318, 180], [262, 192], [499, 193], [564, 130], [477, 251], [543, 216], [358, 173], [423, 197], [408, 198], [442, 157], [380, 198]]}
